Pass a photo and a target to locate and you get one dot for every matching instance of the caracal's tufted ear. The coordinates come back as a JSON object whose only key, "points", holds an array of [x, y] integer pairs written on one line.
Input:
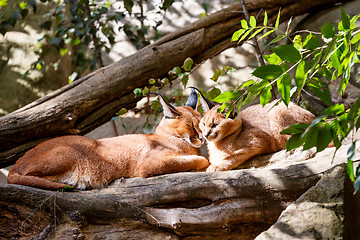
{"points": [[206, 104], [233, 114], [192, 100], [168, 109]]}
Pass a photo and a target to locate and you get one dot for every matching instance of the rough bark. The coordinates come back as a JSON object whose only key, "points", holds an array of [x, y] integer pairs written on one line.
{"points": [[237, 204], [184, 204], [91, 101]]}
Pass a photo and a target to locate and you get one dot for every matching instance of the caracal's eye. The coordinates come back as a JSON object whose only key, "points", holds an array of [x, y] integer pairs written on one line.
{"points": [[214, 125]]}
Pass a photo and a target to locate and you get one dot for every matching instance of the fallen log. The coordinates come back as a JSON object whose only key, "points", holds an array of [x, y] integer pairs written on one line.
{"points": [[94, 99]]}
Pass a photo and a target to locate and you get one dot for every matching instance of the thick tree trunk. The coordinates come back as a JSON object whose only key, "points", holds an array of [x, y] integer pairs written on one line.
{"points": [[91, 101], [236, 204]]}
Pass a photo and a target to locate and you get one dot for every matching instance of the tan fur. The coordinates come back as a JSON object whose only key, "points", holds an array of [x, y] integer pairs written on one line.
{"points": [[86, 163], [256, 130]]}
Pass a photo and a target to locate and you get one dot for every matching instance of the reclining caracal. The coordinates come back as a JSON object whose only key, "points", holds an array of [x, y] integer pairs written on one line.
{"points": [[255, 130], [85, 163]]}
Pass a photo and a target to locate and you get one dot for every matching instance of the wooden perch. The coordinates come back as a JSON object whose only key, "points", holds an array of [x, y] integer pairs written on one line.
{"points": [[92, 100], [237, 204]]}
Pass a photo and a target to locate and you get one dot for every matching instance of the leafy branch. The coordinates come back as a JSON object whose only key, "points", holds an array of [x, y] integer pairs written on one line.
{"points": [[316, 65]]}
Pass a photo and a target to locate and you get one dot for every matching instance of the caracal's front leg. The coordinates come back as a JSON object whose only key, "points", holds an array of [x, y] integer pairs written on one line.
{"points": [[234, 160], [174, 165]]}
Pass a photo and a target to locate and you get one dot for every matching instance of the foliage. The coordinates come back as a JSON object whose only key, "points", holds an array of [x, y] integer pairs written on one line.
{"points": [[84, 29], [315, 65]]}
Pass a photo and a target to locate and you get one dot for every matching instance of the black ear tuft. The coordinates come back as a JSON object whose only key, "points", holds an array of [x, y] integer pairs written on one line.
{"points": [[192, 100], [206, 104]]}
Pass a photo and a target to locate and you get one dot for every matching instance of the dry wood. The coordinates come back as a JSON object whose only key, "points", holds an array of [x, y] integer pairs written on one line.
{"points": [[91, 101], [236, 204], [184, 203]]}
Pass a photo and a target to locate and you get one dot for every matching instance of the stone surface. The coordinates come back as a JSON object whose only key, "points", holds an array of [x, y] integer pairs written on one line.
{"points": [[317, 214]]}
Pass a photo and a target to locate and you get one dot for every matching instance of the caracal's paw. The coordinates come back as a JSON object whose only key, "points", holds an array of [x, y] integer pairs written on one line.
{"points": [[203, 163], [213, 168]]}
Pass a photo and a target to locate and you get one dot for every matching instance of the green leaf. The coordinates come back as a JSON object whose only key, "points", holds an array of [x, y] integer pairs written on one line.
{"points": [[63, 51], [265, 18], [288, 26], [278, 38], [273, 59], [350, 170], [227, 96], [294, 142], [297, 42], [164, 81], [328, 30], [334, 59], [287, 53], [295, 128], [321, 89], [122, 111], [351, 151], [145, 91], [213, 93], [3, 3], [245, 34], [266, 34], [216, 75], [325, 72], [128, 4], [355, 39], [268, 72], [277, 19], [311, 138], [188, 63], [311, 42], [325, 137], [138, 92], [256, 32], [152, 81], [284, 87], [246, 84], [244, 24], [343, 85], [335, 109], [252, 21], [254, 90], [357, 182], [265, 95], [223, 106], [185, 79], [72, 77], [229, 110], [301, 75], [175, 71], [345, 19], [228, 70], [237, 35], [354, 110]]}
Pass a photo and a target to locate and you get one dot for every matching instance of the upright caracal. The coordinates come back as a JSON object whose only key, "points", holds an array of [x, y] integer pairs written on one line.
{"points": [[255, 130], [85, 163]]}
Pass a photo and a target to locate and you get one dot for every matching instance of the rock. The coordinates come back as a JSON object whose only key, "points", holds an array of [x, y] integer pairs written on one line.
{"points": [[320, 213]]}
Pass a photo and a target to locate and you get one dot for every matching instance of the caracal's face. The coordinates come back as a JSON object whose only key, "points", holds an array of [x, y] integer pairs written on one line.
{"points": [[215, 125], [186, 126]]}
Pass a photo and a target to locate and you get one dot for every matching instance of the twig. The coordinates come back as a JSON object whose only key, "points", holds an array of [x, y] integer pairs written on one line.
{"points": [[256, 45]]}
